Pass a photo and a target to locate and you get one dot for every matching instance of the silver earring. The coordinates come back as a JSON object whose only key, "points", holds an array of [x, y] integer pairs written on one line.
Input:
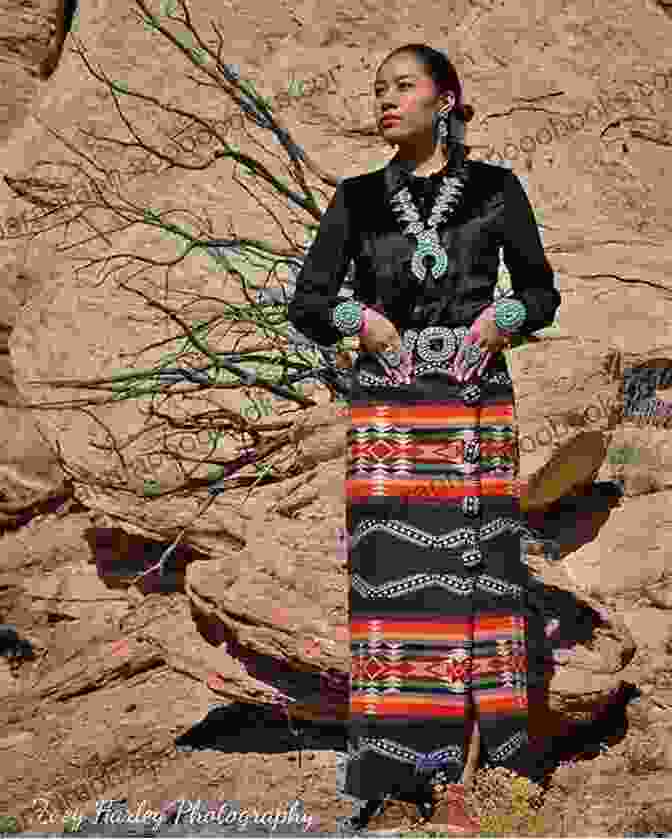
{"points": [[442, 120]]}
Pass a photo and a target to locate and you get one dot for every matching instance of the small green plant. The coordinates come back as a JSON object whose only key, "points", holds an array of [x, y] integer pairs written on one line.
{"points": [[8, 824], [624, 455], [151, 488], [71, 824], [295, 88], [215, 473]]}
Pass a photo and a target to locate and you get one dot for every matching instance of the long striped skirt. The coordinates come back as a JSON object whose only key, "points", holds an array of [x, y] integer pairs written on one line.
{"points": [[437, 587]]}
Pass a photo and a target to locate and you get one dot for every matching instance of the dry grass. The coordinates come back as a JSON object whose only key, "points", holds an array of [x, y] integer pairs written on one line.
{"points": [[506, 804]]}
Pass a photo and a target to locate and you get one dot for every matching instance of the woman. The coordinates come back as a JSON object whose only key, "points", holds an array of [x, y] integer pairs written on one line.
{"points": [[437, 595]]}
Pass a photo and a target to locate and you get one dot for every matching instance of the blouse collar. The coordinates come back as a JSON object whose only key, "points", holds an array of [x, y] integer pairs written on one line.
{"points": [[397, 174]]}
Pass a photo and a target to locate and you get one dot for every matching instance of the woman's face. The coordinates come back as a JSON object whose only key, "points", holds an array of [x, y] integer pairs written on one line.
{"points": [[403, 89]]}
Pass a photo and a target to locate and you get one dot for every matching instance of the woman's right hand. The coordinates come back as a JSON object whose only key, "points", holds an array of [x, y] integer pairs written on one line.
{"points": [[380, 334]]}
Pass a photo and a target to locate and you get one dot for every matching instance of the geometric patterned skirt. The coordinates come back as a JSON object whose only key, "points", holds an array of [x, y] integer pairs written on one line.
{"points": [[437, 586]]}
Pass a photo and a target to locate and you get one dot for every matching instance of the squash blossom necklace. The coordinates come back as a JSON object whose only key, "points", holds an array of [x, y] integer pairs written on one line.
{"points": [[428, 244]]}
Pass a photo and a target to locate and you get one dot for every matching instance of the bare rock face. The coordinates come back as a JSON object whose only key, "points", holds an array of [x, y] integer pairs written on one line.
{"points": [[630, 551], [33, 37], [28, 463], [283, 603], [562, 389]]}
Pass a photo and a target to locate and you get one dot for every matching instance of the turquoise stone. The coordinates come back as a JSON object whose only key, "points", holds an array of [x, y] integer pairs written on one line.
{"points": [[439, 255]]}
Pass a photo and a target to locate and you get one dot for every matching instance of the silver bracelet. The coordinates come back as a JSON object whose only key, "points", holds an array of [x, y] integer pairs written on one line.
{"points": [[348, 317], [510, 314]]}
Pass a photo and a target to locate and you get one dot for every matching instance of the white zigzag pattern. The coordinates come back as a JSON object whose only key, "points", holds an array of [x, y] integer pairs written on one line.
{"points": [[403, 754], [417, 582], [457, 538]]}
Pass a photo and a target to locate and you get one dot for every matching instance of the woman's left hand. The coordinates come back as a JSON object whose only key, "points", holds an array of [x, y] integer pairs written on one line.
{"points": [[485, 335]]}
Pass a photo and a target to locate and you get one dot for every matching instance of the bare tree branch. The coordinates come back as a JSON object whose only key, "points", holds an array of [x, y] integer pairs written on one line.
{"points": [[194, 370]]}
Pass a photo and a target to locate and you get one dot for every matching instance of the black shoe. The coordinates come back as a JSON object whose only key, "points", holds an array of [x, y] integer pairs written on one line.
{"points": [[362, 813], [425, 809]]}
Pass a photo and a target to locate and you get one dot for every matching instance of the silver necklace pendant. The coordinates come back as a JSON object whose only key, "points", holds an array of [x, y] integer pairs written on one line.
{"points": [[426, 235], [429, 245]]}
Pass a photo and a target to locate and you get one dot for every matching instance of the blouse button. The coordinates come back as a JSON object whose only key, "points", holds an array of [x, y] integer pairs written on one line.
{"points": [[471, 505], [472, 451]]}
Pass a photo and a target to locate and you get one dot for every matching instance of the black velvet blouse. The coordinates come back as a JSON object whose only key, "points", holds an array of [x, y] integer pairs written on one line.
{"points": [[359, 225]]}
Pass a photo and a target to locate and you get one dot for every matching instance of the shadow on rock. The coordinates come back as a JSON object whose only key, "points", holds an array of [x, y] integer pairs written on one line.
{"points": [[576, 520], [589, 739], [314, 694], [12, 646], [121, 556], [577, 702], [265, 729]]}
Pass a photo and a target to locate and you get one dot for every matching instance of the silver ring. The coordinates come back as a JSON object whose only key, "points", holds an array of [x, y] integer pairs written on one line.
{"points": [[460, 333], [473, 354]]}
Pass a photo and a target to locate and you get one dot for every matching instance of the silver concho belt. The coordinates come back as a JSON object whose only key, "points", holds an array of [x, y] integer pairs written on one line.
{"points": [[433, 350]]}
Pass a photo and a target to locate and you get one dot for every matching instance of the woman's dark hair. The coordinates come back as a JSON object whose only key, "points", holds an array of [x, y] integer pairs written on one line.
{"points": [[441, 71]]}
